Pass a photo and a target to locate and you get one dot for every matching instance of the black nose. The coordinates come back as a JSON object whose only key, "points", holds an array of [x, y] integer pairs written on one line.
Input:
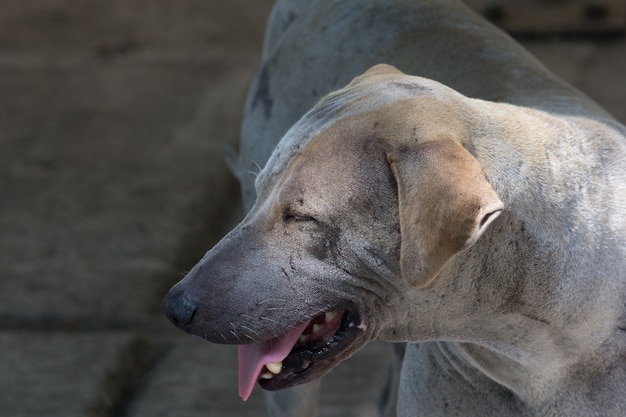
{"points": [[178, 308]]}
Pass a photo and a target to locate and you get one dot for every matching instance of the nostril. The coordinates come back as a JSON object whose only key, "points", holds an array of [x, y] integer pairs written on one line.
{"points": [[178, 308]]}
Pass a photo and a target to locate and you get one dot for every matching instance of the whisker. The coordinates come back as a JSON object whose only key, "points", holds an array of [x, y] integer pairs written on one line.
{"points": [[234, 333], [274, 300], [269, 319], [275, 308], [249, 336], [258, 169]]}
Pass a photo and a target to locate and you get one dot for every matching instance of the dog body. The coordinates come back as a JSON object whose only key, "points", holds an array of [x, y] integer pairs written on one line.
{"points": [[482, 221], [314, 47]]}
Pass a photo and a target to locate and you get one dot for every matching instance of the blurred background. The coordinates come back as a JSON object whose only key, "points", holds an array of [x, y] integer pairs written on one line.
{"points": [[113, 118]]}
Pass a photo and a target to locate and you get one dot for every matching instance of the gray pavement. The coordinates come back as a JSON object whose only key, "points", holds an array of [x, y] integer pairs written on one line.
{"points": [[113, 116]]}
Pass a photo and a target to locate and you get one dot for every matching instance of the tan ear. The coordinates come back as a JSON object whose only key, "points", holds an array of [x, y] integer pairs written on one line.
{"points": [[380, 69], [445, 205]]}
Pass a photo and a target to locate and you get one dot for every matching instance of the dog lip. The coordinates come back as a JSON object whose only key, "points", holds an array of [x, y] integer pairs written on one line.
{"points": [[307, 363]]}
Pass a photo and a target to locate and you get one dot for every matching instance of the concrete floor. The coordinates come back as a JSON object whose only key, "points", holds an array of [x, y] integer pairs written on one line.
{"points": [[113, 116]]}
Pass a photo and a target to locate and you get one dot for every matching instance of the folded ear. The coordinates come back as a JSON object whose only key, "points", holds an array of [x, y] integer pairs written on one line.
{"points": [[445, 205]]}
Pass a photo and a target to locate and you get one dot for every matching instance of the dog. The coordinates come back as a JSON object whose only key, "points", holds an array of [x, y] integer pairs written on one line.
{"points": [[463, 200]]}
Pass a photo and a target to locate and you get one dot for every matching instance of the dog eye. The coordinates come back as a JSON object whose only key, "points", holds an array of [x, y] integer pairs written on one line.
{"points": [[294, 217]]}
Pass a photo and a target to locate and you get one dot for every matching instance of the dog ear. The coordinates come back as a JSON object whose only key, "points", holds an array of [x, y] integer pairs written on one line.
{"points": [[380, 69], [445, 205]]}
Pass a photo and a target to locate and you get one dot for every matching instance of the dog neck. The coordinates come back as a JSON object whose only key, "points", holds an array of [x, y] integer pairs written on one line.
{"points": [[529, 331]]}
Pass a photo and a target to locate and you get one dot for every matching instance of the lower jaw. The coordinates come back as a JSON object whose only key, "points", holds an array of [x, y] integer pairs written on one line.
{"points": [[289, 379], [305, 365]]}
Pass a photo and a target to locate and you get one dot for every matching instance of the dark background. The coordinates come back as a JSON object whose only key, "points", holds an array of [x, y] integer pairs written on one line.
{"points": [[113, 116]]}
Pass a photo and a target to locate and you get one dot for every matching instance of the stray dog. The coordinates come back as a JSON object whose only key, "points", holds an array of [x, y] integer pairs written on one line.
{"points": [[478, 214]]}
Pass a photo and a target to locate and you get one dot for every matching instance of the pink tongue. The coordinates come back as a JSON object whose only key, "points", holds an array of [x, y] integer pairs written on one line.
{"points": [[253, 357]]}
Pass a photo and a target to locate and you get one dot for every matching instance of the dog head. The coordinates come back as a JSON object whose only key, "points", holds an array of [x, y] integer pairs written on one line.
{"points": [[367, 197]]}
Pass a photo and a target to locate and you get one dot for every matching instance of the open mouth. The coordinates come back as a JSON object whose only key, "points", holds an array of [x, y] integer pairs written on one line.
{"points": [[303, 353]]}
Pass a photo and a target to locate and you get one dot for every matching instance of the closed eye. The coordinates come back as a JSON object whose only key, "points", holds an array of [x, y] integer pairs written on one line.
{"points": [[296, 217]]}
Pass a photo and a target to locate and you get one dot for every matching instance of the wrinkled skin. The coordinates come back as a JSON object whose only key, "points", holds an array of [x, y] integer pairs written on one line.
{"points": [[299, 243]]}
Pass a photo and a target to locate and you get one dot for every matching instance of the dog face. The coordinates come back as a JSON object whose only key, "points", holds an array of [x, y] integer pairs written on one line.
{"points": [[364, 200]]}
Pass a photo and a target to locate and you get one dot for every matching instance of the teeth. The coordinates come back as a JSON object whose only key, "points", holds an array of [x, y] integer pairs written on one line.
{"points": [[274, 367], [303, 339], [266, 375], [317, 328], [330, 315]]}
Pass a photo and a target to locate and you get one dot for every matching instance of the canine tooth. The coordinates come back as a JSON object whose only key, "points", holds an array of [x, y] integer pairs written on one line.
{"points": [[330, 315], [303, 339], [317, 328], [274, 367], [266, 375]]}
